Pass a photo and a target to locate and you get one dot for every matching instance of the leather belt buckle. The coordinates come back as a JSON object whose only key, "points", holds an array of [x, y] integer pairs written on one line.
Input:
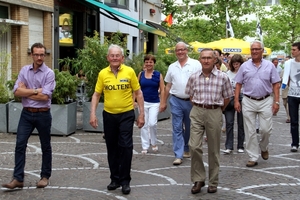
{"points": [[184, 99], [35, 110], [257, 99], [207, 106]]}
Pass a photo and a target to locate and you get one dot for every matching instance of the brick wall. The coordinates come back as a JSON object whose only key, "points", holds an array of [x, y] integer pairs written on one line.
{"points": [[20, 34]]}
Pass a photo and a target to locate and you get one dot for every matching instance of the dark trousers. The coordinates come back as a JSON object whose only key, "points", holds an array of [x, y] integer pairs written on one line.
{"points": [[229, 116], [293, 104], [118, 129], [28, 122]]}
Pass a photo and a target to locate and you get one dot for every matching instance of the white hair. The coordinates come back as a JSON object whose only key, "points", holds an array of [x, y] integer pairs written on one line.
{"points": [[257, 41], [115, 46]]}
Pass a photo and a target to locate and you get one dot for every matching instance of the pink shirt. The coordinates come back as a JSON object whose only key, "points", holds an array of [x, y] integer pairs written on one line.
{"points": [[44, 78], [257, 81]]}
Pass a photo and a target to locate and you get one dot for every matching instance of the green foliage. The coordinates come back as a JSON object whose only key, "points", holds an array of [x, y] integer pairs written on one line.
{"points": [[280, 25], [92, 58], [66, 86], [4, 60], [4, 97], [282, 28]]}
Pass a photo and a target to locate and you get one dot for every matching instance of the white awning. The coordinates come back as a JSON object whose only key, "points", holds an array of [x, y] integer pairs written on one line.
{"points": [[13, 22]]}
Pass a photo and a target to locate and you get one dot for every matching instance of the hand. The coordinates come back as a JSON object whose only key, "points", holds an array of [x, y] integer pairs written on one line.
{"points": [[94, 121], [162, 107], [275, 108], [237, 106], [140, 121]]}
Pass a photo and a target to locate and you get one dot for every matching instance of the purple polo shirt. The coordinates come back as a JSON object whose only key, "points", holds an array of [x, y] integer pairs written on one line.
{"points": [[44, 78], [257, 81]]}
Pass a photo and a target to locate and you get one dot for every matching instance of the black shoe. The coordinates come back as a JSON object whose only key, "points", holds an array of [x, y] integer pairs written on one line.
{"points": [[126, 189], [113, 185]]}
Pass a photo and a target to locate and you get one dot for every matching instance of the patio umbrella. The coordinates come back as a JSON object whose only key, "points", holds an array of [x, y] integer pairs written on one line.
{"points": [[267, 51], [197, 46], [233, 45]]}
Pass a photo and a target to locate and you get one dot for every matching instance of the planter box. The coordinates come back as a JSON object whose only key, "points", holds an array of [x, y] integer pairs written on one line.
{"points": [[64, 118], [86, 118], [161, 116], [3, 118]]}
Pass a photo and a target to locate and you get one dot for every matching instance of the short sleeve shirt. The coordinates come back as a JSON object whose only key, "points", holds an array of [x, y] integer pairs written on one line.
{"points": [[257, 81], [179, 76], [118, 89]]}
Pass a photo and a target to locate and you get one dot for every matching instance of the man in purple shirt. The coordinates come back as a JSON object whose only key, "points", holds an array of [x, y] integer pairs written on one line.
{"points": [[35, 84], [260, 79]]}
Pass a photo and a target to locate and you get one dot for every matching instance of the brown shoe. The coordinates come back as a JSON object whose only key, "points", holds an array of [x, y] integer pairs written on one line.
{"points": [[186, 154], [251, 163], [265, 155], [212, 189], [13, 184], [197, 187], [42, 183]]}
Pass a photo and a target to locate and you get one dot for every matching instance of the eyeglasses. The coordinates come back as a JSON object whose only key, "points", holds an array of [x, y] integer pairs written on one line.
{"points": [[206, 58], [115, 55], [39, 55], [256, 49], [177, 50]]}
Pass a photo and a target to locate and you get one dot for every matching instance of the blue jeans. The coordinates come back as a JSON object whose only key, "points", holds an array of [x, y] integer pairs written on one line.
{"points": [[180, 111], [28, 122], [229, 116], [293, 104]]}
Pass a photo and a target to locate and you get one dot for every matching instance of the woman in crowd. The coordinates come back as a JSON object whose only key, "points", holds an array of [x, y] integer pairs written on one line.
{"points": [[234, 65], [152, 83]]}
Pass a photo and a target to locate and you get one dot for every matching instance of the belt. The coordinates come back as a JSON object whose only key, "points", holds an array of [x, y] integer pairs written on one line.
{"points": [[184, 99], [206, 106], [257, 99], [34, 110]]}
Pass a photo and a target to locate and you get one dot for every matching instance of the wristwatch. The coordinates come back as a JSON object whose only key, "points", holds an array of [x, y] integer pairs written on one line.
{"points": [[277, 102], [35, 91]]}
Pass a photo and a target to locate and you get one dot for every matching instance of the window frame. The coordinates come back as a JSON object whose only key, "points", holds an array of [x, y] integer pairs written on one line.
{"points": [[116, 4]]}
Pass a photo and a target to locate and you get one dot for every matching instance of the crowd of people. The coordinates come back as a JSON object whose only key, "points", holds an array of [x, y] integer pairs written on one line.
{"points": [[204, 96]]}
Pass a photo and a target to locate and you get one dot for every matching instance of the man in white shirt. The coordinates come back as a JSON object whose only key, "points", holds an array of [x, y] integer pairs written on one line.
{"points": [[176, 78]]}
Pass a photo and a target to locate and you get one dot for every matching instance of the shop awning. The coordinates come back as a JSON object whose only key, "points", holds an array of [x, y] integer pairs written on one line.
{"points": [[114, 13], [157, 26], [13, 22]]}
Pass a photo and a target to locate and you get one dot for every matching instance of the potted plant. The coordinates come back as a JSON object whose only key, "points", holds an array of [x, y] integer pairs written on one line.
{"points": [[91, 59], [4, 91], [63, 107]]}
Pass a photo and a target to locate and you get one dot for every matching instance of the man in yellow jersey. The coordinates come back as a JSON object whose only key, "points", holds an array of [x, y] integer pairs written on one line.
{"points": [[118, 82]]}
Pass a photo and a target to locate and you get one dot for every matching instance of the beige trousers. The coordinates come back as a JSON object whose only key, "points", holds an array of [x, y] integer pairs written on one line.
{"points": [[263, 109], [209, 121]]}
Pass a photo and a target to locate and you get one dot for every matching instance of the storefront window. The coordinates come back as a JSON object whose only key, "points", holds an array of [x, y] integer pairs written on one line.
{"points": [[65, 29], [117, 3]]}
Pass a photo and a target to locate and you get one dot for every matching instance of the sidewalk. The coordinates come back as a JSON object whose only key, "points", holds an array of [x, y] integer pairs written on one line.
{"points": [[80, 169]]}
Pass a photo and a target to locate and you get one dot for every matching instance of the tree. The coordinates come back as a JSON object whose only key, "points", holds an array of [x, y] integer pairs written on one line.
{"points": [[281, 28]]}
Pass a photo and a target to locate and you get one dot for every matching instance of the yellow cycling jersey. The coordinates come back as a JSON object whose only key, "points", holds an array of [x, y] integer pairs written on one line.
{"points": [[118, 89]]}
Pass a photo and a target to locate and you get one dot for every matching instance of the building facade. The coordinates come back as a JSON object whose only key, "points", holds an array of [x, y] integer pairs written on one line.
{"points": [[24, 23], [62, 24]]}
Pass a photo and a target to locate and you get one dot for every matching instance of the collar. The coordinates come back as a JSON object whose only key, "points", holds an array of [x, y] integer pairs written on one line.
{"points": [[41, 68]]}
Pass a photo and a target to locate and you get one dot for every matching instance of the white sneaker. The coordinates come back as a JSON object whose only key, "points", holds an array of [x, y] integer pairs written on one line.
{"points": [[227, 151], [294, 149], [240, 151]]}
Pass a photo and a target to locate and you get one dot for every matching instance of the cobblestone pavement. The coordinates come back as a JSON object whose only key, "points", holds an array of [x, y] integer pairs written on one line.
{"points": [[80, 169]]}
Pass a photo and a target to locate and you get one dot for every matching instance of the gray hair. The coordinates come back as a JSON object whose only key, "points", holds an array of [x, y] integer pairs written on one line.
{"points": [[257, 41], [115, 46], [182, 43]]}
